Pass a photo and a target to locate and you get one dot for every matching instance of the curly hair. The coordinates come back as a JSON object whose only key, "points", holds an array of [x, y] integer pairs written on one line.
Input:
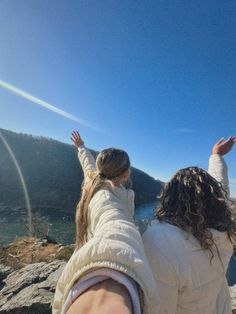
{"points": [[195, 202]]}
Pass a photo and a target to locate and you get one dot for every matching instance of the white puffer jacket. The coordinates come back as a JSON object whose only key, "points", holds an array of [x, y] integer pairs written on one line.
{"points": [[114, 242], [187, 282]]}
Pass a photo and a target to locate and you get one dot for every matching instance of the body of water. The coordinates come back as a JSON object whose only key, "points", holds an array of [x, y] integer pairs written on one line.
{"points": [[62, 228]]}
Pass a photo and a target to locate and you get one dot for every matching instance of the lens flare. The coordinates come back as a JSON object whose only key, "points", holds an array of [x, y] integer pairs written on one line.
{"points": [[43, 103], [24, 187]]}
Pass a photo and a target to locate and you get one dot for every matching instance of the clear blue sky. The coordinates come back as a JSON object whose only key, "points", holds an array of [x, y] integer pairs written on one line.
{"points": [[156, 78]]}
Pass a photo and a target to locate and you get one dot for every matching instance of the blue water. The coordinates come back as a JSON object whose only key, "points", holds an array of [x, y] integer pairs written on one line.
{"points": [[145, 211]]}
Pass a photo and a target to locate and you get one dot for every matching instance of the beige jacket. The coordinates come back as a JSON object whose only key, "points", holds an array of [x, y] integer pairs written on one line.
{"points": [[187, 282], [114, 242]]}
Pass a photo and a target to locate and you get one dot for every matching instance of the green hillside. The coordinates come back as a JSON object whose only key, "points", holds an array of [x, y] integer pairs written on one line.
{"points": [[52, 174]]}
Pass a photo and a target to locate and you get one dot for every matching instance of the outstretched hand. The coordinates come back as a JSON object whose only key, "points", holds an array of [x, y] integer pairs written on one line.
{"points": [[222, 147], [76, 139]]}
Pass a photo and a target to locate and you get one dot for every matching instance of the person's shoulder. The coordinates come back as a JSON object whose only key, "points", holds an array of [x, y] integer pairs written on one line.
{"points": [[222, 240], [160, 226], [153, 231], [126, 191], [100, 202], [113, 195], [102, 194], [103, 197], [162, 233], [130, 192]]}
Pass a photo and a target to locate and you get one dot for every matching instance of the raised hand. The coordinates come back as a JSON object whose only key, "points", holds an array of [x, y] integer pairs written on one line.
{"points": [[222, 147], [76, 139]]}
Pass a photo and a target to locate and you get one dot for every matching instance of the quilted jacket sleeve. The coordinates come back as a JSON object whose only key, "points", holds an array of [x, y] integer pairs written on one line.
{"points": [[87, 161], [116, 244], [218, 169], [104, 209]]}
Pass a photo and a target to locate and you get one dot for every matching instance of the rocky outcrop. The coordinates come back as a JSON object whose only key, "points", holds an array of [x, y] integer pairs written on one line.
{"points": [[28, 285], [30, 289], [4, 271]]}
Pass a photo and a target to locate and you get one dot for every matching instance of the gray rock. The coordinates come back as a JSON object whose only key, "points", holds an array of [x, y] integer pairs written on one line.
{"points": [[4, 271], [30, 289]]}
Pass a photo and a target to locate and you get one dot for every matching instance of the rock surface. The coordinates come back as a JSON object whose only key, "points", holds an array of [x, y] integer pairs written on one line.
{"points": [[29, 270], [30, 289], [4, 271]]}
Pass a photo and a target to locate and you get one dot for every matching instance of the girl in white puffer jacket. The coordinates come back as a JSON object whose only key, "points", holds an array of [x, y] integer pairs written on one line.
{"points": [[191, 241], [109, 256]]}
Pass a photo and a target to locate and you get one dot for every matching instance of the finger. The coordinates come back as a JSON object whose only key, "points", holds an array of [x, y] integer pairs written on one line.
{"points": [[230, 140], [220, 141], [75, 131], [76, 137]]}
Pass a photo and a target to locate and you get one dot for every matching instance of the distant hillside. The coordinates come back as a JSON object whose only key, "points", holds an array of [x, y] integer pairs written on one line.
{"points": [[52, 174]]}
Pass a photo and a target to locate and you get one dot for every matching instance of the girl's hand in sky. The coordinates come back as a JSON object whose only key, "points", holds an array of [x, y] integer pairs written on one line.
{"points": [[76, 139], [222, 147]]}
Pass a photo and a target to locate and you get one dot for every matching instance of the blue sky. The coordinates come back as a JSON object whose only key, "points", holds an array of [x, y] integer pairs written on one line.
{"points": [[156, 78]]}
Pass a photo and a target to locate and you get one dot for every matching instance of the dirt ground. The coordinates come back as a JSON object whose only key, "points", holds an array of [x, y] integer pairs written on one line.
{"points": [[28, 250]]}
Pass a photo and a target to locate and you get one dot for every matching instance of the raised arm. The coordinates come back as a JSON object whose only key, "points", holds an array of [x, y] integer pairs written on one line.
{"points": [[217, 165], [85, 157]]}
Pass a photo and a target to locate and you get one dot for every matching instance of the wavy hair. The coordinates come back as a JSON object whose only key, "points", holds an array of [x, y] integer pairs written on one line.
{"points": [[195, 202], [111, 163]]}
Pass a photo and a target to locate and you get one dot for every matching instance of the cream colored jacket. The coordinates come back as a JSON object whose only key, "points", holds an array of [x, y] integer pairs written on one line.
{"points": [[114, 242], [186, 280]]}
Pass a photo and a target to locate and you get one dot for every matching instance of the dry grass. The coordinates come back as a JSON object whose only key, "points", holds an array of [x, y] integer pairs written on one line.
{"points": [[28, 250]]}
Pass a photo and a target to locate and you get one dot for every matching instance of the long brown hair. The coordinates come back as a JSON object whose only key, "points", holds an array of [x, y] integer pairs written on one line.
{"points": [[111, 163], [194, 201]]}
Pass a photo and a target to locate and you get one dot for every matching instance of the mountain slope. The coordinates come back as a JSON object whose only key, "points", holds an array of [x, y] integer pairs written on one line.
{"points": [[52, 174]]}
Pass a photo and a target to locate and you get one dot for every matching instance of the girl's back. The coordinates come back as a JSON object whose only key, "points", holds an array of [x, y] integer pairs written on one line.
{"points": [[191, 241], [187, 275]]}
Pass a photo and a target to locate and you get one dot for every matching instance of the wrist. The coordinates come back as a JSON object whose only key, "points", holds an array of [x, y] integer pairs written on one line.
{"points": [[216, 151], [216, 156], [80, 147]]}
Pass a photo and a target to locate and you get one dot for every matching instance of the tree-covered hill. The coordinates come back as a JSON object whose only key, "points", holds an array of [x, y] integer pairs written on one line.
{"points": [[52, 174]]}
